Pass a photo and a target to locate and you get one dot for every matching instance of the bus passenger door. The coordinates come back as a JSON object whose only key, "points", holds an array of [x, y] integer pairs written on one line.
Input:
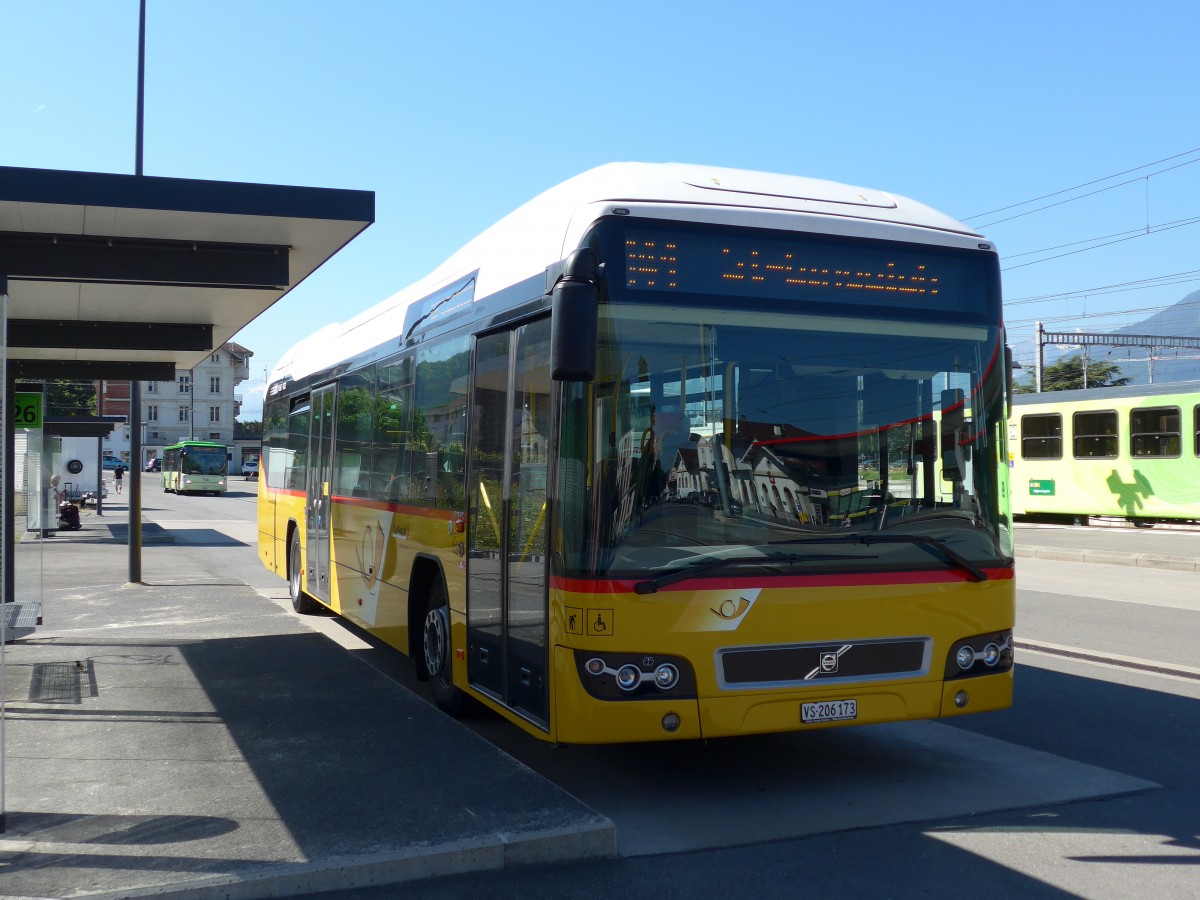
{"points": [[317, 509], [506, 574]]}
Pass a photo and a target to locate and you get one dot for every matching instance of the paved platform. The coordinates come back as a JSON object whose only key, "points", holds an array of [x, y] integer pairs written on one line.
{"points": [[192, 737], [1174, 547]]}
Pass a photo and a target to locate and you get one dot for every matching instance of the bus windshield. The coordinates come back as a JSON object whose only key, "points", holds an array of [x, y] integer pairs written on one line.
{"points": [[741, 436], [203, 461]]}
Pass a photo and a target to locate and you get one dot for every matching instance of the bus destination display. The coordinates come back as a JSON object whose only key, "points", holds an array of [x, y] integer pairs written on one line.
{"points": [[694, 262]]}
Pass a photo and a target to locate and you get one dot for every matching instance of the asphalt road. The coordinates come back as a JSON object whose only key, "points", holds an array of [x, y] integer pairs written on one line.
{"points": [[1087, 787]]}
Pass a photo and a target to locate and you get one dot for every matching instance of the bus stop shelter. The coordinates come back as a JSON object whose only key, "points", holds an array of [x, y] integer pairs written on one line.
{"points": [[130, 277]]}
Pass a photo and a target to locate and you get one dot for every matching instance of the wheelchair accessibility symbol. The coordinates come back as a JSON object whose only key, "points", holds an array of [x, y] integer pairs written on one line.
{"points": [[599, 622]]}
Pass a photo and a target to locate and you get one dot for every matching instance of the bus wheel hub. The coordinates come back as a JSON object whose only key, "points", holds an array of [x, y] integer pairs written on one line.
{"points": [[437, 639]]}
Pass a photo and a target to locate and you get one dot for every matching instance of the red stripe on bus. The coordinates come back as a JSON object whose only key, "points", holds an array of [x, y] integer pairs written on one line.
{"points": [[385, 506], [861, 579], [381, 505]]}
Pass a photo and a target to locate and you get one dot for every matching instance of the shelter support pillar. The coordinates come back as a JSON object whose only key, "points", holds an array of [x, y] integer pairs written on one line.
{"points": [[7, 519], [135, 481]]}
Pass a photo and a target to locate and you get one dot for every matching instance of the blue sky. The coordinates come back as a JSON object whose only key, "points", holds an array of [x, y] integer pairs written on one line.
{"points": [[456, 113]]}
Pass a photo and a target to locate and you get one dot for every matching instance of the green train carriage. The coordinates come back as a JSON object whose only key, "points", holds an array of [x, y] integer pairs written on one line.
{"points": [[1130, 452]]}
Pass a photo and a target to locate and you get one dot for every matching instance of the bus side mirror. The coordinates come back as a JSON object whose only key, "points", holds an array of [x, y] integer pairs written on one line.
{"points": [[575, 309]]}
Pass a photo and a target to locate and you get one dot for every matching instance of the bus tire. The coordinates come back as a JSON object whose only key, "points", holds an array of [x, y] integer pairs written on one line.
{"points": [[436, 651], [301, 602]]}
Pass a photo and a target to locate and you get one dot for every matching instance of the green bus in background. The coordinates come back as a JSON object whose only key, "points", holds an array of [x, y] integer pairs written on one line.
{"points": [[195, 467]]}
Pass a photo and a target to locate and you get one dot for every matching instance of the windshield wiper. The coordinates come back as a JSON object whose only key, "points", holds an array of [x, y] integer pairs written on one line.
{"points": [[709, 564], [923, 540], [940, 546]]}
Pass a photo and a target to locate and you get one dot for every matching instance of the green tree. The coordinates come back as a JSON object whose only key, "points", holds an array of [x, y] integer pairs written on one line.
{"points": [[1067, 375], [244, 431], [70, 398]]}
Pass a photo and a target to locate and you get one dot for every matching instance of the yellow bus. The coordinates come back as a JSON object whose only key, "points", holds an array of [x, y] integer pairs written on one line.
{"points": [[670, 452]]}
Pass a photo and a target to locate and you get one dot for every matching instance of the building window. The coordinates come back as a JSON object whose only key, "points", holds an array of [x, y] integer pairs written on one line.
{"points": [[216, 357], [152, 412], [214, 384], [1041, 437], [151, 387], [214, 414], [214, 435], [183, 414], [185, 384]]}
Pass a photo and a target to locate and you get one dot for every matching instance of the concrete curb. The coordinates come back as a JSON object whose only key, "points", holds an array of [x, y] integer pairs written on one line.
{"points": [[492, 853], [1111, 558]]}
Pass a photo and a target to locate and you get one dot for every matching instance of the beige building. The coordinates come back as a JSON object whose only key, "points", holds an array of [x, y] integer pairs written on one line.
{"points": [[200, 404]]}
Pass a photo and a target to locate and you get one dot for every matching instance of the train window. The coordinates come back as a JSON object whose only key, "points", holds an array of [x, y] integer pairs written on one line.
{"points": [[1041, 437], [1154, 432], [1095, 435], [1196, 428]]}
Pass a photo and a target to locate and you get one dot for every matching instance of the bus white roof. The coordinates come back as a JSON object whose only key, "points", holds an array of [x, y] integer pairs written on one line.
{"points": [[548, 227]]}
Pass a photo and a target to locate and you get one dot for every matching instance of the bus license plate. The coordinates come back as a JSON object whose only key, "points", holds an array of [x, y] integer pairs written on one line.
{"points": [[829, 711]]}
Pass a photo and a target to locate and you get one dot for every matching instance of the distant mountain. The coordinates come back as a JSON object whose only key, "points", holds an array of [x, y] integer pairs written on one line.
{"points": [[1182, 319]]}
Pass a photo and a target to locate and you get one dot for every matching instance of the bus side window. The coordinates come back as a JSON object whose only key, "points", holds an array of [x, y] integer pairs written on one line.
{"points": [[352, 456], [438, 429], [393, 406], [297, 446], [274, 441]]}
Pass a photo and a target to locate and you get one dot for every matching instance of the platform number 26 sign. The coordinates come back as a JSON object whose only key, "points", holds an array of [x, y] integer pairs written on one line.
{"points": [[27, 411]]}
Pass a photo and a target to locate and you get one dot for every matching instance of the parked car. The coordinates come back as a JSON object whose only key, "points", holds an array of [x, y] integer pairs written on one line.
{"points": [[112, 463], [250, 468], [155, 465]]}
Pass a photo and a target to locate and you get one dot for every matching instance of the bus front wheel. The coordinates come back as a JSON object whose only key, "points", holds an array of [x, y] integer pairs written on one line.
{"points": [[301, 602], [436, 652]]}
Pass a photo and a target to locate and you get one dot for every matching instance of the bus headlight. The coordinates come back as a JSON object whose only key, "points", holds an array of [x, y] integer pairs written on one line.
{"points": [[666, 676], [629, 677], [634, 676], [984, 654]]}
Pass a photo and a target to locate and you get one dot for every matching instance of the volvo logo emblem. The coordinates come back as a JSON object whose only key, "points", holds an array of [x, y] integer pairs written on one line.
{"points": [[827, 662]]}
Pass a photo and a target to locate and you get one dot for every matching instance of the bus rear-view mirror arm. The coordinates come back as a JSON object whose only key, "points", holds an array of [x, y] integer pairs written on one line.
{"points": [[575, 301]]}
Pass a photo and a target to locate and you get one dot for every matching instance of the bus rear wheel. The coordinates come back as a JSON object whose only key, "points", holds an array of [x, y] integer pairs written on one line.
{"points": [[301, 602], [436, 652]]}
